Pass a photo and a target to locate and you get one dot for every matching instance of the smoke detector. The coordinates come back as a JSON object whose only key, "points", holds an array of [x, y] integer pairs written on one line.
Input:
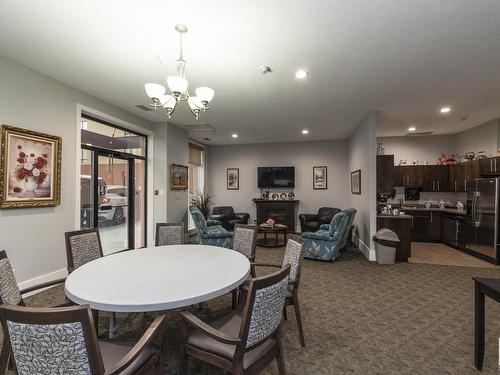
{"points": [[266, 69]]}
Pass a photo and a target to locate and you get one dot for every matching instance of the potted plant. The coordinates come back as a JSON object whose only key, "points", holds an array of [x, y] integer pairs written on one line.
{"points": [[203, 202]]}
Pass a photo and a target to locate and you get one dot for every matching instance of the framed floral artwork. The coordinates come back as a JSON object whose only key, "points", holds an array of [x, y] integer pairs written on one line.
{"points": [[233, 178], [320, 178], [30, 168], [356, 182], [178, 177]]}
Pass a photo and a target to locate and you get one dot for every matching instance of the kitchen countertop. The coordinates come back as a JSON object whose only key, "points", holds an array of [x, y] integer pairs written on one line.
{"points": [[394, 216], [453, 211]]}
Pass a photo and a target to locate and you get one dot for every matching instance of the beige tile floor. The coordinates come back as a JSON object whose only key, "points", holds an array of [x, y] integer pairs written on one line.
{"points": [[437, 253]]}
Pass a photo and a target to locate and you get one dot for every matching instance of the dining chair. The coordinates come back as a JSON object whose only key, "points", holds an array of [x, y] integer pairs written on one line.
{"points": [[9, 288], [63, 341], [294, 256], [241, 342], [169, 234], [82, 246], [245, 238]]}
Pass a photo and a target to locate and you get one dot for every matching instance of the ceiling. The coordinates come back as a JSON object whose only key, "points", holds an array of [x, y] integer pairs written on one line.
{"points": [[404, 59]]}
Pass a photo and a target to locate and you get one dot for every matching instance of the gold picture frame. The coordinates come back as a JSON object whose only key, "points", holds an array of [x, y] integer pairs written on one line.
{"points": [[30, 168], [178, 177]]}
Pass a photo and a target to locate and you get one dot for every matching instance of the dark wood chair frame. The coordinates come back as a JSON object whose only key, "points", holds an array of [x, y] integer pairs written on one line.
{"points": [[159, 225], [236, 365], [251, 258], [34, 288], [83, 314], [69, 253], [292, 300]]}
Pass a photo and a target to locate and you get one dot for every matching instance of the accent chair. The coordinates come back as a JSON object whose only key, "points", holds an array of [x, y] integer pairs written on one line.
{"points": [[312, 222], [169, 234], [214, 235], [229, 218]]}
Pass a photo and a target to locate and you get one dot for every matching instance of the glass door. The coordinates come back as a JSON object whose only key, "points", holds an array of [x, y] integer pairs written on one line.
{"points": [[114, 209]]}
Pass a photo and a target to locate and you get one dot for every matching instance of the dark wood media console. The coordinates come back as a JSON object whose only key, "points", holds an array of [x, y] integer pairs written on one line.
{"points": [[282, 211]]}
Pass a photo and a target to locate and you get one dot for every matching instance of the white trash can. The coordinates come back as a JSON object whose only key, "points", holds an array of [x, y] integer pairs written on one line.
{"points": [[386, 242]]}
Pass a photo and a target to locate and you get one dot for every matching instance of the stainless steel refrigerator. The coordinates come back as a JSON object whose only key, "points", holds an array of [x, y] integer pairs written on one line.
{"points": [[482, 218]]}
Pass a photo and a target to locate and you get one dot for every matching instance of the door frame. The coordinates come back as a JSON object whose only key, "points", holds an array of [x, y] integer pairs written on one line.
{"points": [[84, 110]]}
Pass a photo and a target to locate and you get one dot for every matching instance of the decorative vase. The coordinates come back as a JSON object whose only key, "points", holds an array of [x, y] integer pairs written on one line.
{"points": [[30, 185], [46, 183]]}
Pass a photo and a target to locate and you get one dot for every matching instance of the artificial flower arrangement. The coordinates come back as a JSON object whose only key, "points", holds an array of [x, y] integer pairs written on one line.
{"points": [[32, 170]]}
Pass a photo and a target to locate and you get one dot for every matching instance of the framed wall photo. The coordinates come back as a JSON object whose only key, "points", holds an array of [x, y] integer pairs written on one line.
{"points": [[356, 182], [233, 178], [178, 177], [320, 178], [30, 168]]}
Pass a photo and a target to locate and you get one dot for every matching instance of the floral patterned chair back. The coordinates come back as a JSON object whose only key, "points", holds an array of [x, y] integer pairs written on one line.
{"points": [[294, 254], [82, 246], [264, 307], [66, 342], [169, 234], [9, 290], [245, 238]]}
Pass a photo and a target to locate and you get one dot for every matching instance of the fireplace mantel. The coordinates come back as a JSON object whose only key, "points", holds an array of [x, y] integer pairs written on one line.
{"points": [[284, 211]]}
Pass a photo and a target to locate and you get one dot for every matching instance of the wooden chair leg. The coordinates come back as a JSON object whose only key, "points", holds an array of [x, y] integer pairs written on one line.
{"points": [[183, 359], [285, 316], [160, 366], [234, 298], [4, 357], [279, 359], [299, 320], [95, 315]]}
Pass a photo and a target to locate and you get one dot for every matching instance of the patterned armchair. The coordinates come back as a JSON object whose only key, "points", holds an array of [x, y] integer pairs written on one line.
{"points": [[169, 234], [326, 243], [62, 341], [241, 342], [214, 235], [312, 222], [228, 218]]}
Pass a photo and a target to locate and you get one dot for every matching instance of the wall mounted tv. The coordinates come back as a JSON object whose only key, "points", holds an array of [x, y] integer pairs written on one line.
{"points": [[276, 177]]}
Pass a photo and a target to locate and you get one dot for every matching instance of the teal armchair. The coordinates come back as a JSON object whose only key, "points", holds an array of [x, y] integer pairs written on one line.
{"points": [[210, 232]]}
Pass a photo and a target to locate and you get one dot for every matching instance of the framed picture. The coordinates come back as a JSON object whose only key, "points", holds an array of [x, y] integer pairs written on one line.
{"points": [[178, 177], [356, 182], [30, 168], [320, 178], [233, 178]]}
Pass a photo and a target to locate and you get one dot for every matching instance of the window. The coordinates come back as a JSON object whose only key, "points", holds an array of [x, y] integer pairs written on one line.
{"points": [[196, 174]]}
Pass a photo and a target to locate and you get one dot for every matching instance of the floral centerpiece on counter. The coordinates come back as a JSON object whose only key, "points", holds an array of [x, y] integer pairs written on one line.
{"points": [[31, 171]]}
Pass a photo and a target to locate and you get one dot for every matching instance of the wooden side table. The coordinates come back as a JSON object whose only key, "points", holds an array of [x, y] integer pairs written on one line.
{"points": [[482, 287], [274, 241]]}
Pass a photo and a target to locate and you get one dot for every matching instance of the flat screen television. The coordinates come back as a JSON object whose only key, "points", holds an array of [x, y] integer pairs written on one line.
{"points": [[276, 177]]}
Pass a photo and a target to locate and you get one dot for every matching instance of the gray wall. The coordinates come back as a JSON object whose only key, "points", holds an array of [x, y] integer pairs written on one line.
{"points": [[34, 238], [303, 156], [480, 138], [362, 155], [177, 153]]}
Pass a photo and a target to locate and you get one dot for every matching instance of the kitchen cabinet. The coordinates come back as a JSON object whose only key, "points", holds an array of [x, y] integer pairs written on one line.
{"points": [[401, 225], [489, 166], [426, 226], [436, 178], [385, 173], [409, 175]]}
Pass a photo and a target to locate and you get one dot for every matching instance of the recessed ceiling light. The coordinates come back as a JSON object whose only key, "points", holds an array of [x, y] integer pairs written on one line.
{"points": [[234, 135], [445, 110], [301, 74], [305, 131], [412, 129]]}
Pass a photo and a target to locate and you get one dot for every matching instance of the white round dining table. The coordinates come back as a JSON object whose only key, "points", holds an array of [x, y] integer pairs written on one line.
{"points": [[157, 278]]}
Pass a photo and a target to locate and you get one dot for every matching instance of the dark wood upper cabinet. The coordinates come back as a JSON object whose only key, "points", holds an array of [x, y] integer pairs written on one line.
{"points": [[489, 166], [385, 173]]}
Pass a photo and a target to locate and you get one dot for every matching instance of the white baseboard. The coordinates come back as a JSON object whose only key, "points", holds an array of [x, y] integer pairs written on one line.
{"points": [[59, 274], [367, 252]]}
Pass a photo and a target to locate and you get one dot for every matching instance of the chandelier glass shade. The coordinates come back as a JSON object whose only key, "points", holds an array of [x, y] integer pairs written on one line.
{"points": [[178, 86]]}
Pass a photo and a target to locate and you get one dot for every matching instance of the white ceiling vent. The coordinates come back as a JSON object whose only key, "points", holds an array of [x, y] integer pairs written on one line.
{"points": [[197, 128], [412, 134]]}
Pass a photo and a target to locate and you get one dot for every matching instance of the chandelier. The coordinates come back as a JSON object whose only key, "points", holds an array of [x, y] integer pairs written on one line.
{"points": [[178, 87]]}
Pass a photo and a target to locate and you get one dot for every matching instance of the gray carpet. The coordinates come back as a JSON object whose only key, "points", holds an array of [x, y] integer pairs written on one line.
{"points": [[362, 318]]}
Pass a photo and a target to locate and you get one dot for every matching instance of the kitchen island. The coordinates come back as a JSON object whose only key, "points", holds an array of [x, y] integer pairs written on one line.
{"points": [[402, 226]]}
